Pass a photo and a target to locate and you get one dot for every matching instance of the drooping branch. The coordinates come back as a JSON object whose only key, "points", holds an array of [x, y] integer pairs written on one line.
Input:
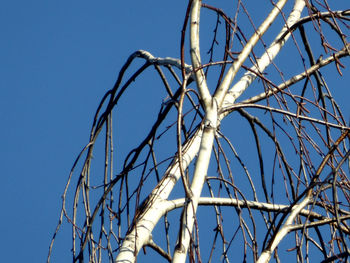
{"points": [[265, 60], [299, 128], [299, 77]]}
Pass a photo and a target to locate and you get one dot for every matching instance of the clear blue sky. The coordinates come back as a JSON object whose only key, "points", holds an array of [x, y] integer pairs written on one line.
{"points": [[57, 59]]}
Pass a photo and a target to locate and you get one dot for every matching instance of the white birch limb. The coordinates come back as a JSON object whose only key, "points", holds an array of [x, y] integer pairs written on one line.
{"points": [[266, 58], [285, 229], [188, 216], [196, 57], [221, 92], [298, 77], [210, 124], [141, 231], [221, 201], [167, 61]]}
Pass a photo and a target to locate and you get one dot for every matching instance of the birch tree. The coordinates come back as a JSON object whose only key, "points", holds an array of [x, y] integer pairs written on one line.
{"points": [[247, 159]]}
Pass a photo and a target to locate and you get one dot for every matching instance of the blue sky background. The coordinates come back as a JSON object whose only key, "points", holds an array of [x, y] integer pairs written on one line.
{"points": [[58, 58]]}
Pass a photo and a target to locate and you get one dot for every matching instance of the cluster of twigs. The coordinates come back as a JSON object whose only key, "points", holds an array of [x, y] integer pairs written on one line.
{"points": [[280, 163]]}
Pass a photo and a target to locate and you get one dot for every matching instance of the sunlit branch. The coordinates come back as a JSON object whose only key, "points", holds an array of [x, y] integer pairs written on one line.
{"points": [[286, 113], [195, 55], [118, 217], [298, 77], [284, 230], [152, 210], [267, 57], [222, 94], [267, 207]]}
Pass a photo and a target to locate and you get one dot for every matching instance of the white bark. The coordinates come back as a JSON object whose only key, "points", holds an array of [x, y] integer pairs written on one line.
{"points": [[266, 255], [196, 57], [222, 93], [211, 118], [203, 141], [298, 77], [142, 230], [197, 185], [266, 59], [261, 206], [210, 124], [168, 61]]}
